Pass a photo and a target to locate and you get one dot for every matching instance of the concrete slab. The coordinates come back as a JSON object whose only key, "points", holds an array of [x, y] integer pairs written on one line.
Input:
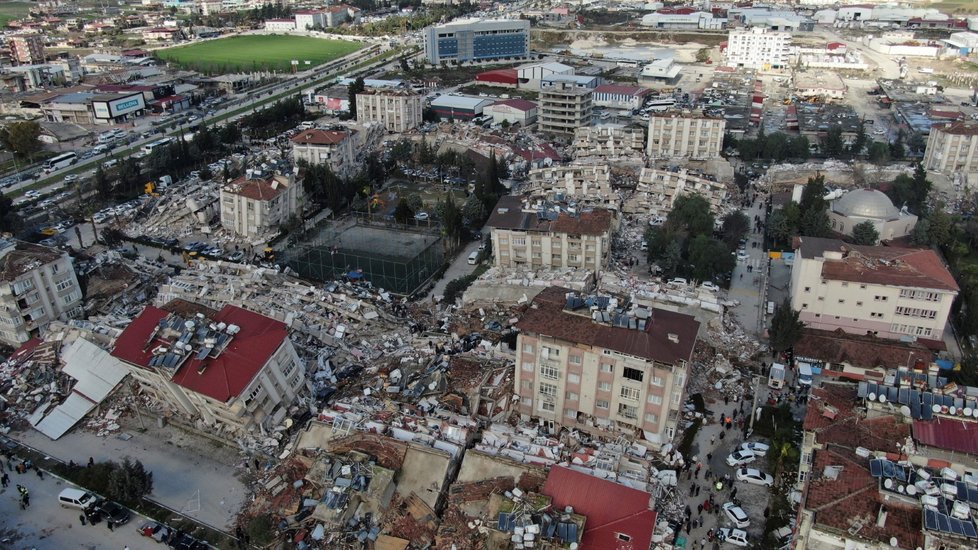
{"points": [[477, 466], [423, 473]]}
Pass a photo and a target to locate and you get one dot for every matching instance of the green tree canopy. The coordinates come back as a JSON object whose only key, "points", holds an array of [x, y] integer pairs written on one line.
{"points": [[865, 233], [735, 225], [786, 327], [403, 212], [21, 138]]}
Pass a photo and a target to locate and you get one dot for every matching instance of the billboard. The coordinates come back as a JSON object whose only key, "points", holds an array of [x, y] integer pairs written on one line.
{"points": [[118, 107]]}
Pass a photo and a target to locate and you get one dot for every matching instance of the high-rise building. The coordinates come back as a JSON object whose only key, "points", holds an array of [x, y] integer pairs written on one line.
{"points": [[952, 148], [330, 147], [596, 363], [37, 285], [396, 110], [565, 106], [477, 40], [685, 135], [758, 48], [27, 49]]}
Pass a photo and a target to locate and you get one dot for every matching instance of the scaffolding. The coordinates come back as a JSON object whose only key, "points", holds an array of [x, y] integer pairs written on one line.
{"points": [[400, 259]]}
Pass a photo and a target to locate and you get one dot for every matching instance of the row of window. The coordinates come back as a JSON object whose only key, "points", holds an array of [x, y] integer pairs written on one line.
{"points": [[911, 329], [921, 295], [916, 312]]}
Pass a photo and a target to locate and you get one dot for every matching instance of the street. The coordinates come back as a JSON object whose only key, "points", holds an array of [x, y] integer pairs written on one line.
{"points": [[747, 287], [47, 525]]}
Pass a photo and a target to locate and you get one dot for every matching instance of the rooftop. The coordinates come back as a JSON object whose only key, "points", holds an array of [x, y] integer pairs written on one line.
{"points": [[949, 434], [657, 335], [611, 509], [258, 189], [859, 350], [19, 257], [881, 265], [215, 354], [320, 137], [622, 90], [520, 104], [960, 128], [511, 213], [866, 203]]}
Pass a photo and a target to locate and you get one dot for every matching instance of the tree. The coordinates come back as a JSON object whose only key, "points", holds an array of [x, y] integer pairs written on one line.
{"points": [[786, 327], [859, 142], [940, 230], [102, 185], [691, 213], [813, 195], [473, 211], [735, 226], [865, 233], [897, 149], [799, 148], [921, 187], [403, 212], [9, 219], [21, 138], [780, 228], [879, 153], [833, 147], [355, 88], [709, 258], [415, 202], [129, 481], [702, 55], [814, 223], [671, 259]]}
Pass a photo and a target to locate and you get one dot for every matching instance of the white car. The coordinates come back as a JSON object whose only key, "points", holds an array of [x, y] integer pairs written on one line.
{"points": [[755, 476], [740, 457], [421, 216], [678, 281], [737, 515], [742, 255], [736, 537], [711, 286], [759, 449], [70, 178]]}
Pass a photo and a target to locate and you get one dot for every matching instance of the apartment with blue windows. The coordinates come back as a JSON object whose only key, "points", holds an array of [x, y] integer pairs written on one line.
{"points": [[477, 40]]}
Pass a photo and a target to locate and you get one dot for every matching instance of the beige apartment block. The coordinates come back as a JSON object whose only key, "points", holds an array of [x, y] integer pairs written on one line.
{"points": [[330, 147], [252, 206], [657, 191], [232, 369], [589, 183], [37, 286], [608, 142], [564, 107], [952, 148], [895, 293], [590, 363], [525, 236], [397, 110], [691, 135]]}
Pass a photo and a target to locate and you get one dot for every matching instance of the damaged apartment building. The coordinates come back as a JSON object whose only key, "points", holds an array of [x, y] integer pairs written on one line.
{"points": [[658, 189], [584, 183], [232, 369], [596, 363]]}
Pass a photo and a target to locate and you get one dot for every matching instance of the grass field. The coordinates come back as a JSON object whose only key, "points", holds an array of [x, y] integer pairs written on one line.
{"points": [[257, 52], [13, 10]]}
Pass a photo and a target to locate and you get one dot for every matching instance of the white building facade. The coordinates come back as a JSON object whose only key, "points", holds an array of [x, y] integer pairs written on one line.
{"points": [[758, 48], [37, 285], [685, 135], [254, 206]]}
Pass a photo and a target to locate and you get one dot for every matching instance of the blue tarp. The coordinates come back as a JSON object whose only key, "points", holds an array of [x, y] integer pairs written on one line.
{"points": [[945, 364]]}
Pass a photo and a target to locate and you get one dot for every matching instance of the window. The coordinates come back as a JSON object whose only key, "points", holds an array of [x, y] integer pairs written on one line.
{"points": [[527, 385], [821, 298], [804, 306], [288, 369], [623, 537], [575, 359], [655, 399], [528, 367], [519, 241], [862, 287], [548, 390], [633, 374], [61, 285], [859, 304], [571, 396], [601, 404], [527, 348], [627, 411], [632, 394], [550, 353], [548, 372], [254, 393], [845, 284], [570, 413], [55, 268], [547, 406], [605, 367], [573, 378], [656, 380], [604, 386]]}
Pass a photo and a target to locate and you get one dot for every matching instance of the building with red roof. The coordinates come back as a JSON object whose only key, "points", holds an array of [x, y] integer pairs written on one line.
{"points": [[618, 517], [253, 205], [332, 147], [514, 111], [233, 368], [506, 78]]}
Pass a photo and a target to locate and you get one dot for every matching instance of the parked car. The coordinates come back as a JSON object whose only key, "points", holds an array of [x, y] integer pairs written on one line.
{"points": [[71, 177], [755, 476], [740, 457], [154, 530], [759, 449], [421, 216], [736, 515], [742, 255], [736, 537], [678, 281], [236, 256], [711, 286], [114, 512]]}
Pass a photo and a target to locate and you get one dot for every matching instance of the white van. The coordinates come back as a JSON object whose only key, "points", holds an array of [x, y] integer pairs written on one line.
{"points": [[804, 373], [474, 258], [76, 498], [775, 378]]}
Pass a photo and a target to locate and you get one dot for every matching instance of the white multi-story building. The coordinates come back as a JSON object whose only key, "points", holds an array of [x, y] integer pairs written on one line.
{"points": [[253, 206], [232, 369], [331, 147], [523, 236], [952, 148], [617, 96], [308, 19], [657, 191], [564, 106], [685, 135], [396, 110], [37, 285], [603, 369], [280, 25], [758, 48], [889, 292]]}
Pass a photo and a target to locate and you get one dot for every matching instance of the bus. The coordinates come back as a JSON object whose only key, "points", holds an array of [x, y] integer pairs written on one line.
{"points": [[150, 147], [59, 162]]}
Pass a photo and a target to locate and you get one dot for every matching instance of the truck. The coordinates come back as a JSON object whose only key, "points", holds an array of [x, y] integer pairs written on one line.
{"points": [[775, 378]]}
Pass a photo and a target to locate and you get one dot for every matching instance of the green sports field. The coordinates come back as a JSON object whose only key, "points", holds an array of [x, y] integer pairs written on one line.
{"points": [[257, 52]]}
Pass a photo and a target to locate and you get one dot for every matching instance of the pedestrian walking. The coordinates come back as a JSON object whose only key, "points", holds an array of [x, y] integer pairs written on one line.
{"points": [[687, 528], [5, 480], [726, 400], [81, 518], [91, 462], [709, 457], [697, 490], [699, 508], [40, 474], [27, 500], [10, 465], [689, 511], [108, 523], [722, 433]]}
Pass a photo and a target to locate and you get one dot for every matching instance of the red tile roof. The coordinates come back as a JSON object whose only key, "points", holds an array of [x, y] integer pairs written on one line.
{"points": [[882, 265], [859, 351], [951, 435], [256, 189], [509, 214], [611, 509], [521, 104], [853, 499], [835, 421], [223, 377], [320, 137], [960, 128], [505, 76], [546, 316]]}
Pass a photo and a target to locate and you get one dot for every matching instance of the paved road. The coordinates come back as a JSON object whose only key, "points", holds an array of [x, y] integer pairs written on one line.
{"points": [[746, 286], [47, 525], [459, 268]]}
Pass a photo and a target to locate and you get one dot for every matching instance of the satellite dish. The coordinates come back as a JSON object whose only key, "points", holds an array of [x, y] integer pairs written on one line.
{"points": [[888, 483], [905, 410], [952, 411], [936, 408], [893, 541], [974, 413], [882, 398], [901, 489], [872, 396], [911, 490]]}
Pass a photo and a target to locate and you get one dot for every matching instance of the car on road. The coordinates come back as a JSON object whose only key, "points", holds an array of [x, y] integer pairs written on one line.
{"points": [[759, 449], [711, 286], [421, 216], [155, 530], [71, 177], [114, 512], [742, 255], [237, 256], [755, 476], [736, 537], [736, 515], [740, 457], [678, 281], [109, 163]]}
